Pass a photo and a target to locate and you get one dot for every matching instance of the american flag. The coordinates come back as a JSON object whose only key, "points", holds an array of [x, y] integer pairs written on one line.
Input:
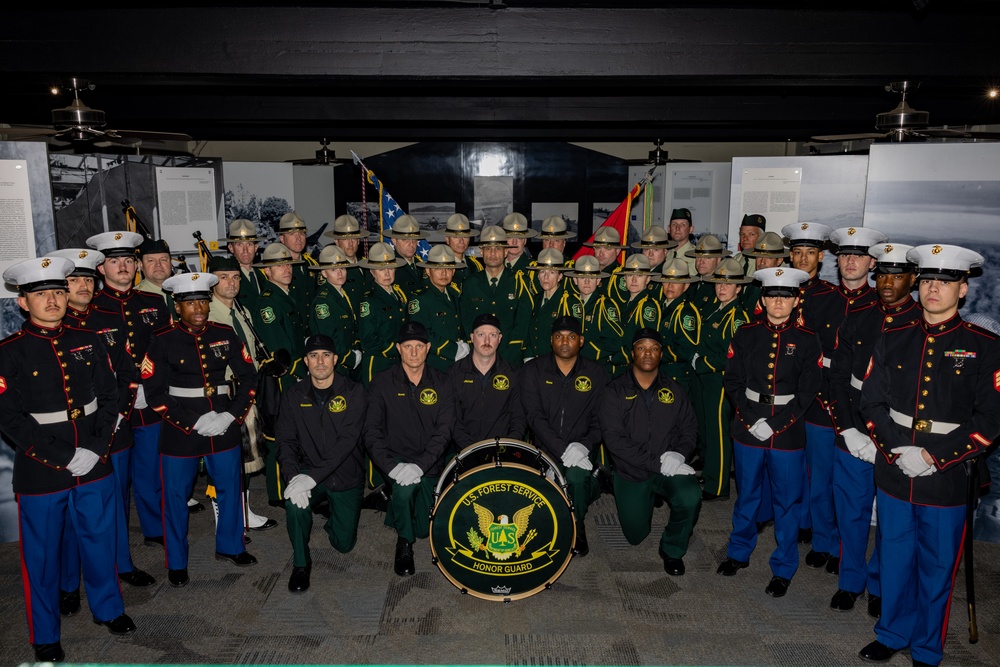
{"points": [[389, 211]]}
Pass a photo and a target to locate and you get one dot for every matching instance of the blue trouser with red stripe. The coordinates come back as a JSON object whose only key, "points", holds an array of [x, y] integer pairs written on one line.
{"points": [[819, 465], [853, 493], [42, 520], [226, 470], [784, 470], [921, 547], [146, 480]]}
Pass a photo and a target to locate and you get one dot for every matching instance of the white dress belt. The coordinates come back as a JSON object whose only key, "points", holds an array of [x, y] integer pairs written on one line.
{"points": [[769, 399], [60, 416], [922, 425], [198, 392]]}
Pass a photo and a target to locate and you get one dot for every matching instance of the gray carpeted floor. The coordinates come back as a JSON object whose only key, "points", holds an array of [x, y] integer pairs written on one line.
{"points": [[614, 607]]}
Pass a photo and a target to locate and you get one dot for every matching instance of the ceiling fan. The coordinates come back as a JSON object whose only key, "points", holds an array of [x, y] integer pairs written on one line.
{"points": [[324, 156], [80, 123], [904, 123], [657, 157]]}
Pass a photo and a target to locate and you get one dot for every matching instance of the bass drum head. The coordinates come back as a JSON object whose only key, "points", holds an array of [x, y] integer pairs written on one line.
{"points": [[502, 533]]}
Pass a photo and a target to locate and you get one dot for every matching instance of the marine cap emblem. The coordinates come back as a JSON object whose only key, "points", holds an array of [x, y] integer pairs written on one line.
{"points": [[936, 249], [46, 262], [888, 247], [118, 236], [83, 253], [195, 276], [805, 225], [779, 272], [852, 231]]}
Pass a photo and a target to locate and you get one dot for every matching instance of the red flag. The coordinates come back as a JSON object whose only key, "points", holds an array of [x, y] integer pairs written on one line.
{"points": [[618, 219]]}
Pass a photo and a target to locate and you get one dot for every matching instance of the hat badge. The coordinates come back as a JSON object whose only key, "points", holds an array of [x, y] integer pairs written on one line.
{"points": [[805, 225], [936, 249], [888, 247], [118, 236], [46, 262], [194, 277], [779, 272], [852, 231], [83, 253]]}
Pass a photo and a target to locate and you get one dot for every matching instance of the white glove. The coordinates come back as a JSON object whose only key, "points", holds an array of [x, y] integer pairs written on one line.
{"points": [[411, 474], [204, 421], [855, 441], [140, 398], [575, 454], [298, 484], [694, 360], [911, 461], [685, 469], [761, 430], [463, 350], [670, 463], [526, 360], [83, 461], [395, 472], [355, 358], [300, 499], [218, 425], [867, 453]]}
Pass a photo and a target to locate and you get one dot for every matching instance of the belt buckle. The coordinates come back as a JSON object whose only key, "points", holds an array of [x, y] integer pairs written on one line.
{"points": [[767, 399], [923, 425], [210, 390], [75, 414]]}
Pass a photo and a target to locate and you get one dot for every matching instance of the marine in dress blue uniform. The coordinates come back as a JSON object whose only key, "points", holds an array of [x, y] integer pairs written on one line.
{"points": [[58, 407], [824, 315], [773, 372], [185, 371], [931, 400], [143, 314], [853, 472]]}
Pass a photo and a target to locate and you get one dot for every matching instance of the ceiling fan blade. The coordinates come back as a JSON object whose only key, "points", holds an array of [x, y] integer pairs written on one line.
{"points": [[150, 135], [27, 132], [849, 137]]}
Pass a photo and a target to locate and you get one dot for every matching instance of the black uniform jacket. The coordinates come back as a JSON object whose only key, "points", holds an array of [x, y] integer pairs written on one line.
{"points": [[62, 370], [639, 426], [773, 360], [563, 408], [111, 328], [487, 406], [855, 343], [409, 423], [143, 314], [197, 359], [323, 440], [947, 373]]}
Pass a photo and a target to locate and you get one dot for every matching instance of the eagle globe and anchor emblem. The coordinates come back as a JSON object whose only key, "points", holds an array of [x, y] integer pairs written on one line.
{"points": [[503, 530]]}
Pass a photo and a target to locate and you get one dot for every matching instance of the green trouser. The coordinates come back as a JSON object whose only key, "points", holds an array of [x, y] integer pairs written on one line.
{"points": [[409, 510], [583, 489], [635, 509], [714, 414], [272, 480], [341, 527]]}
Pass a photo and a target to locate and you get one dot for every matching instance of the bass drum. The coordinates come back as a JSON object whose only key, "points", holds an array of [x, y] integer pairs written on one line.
{"points": [[502, 527]]}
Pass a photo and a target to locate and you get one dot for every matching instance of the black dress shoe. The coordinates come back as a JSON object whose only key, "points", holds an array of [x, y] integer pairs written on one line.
{"points": [[657, 500], [267, 525], [178, 578], [816, 559], [877, 652], [197, 507], [672, 566], [49, 652], [153, 541], [731, 566], [833, 565], [69, 604], [123, 625], [403, 565], [299, 581], [778, 587], [843, 600], [582, 547], [875, 606], [276, 503], [805, 535], [242, 559], [137, 578]]}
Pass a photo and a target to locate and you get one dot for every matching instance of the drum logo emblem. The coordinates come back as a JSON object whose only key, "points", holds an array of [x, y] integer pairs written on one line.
{"points": [[502, 537], [582, 383], [501, 383], [428, 397]]}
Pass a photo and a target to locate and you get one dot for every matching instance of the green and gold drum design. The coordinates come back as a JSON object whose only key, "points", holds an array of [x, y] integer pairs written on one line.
{"points": [[502, 530]]}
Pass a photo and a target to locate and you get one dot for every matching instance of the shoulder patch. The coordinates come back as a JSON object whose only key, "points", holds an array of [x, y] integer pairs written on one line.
{"points": [[612, 313], [322, 311], [366, 309], [267, 315], [413, 307]]}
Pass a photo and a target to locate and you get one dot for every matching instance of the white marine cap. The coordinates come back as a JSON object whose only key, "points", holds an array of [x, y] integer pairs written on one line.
{"points": [[116, 244], [84, 261], [891, 258], [806, 233], [944, 262], [855, 240], [40, 273], [780, 281], [191, 286]]}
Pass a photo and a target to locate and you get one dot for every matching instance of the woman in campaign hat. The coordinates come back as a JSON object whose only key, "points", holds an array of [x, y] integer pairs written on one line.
{"points": [[333, 312], [680, 324], [554, 300], [602, 322], [381, 312]]}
